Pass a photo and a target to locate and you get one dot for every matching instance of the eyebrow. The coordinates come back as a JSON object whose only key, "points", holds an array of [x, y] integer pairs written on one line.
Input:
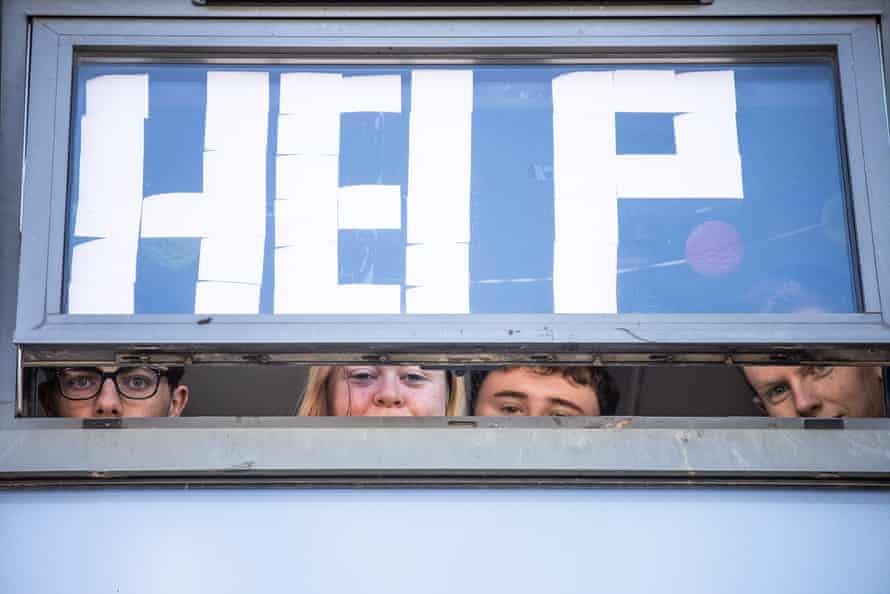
{"points": [[510, 394], [566, 403]]}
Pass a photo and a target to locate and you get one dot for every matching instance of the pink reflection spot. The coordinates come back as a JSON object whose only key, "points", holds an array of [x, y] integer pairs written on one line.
{"points": [[714, 248]]}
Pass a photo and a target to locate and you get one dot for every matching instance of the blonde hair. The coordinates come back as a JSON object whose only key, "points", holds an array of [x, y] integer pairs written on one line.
{"points": [[314, 402]]}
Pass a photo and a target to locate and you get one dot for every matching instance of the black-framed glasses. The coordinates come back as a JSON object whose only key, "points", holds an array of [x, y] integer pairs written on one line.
{"points": [[84, 383]]}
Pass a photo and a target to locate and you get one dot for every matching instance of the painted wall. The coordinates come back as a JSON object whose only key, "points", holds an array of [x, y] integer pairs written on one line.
{"points": [[445, 541]]}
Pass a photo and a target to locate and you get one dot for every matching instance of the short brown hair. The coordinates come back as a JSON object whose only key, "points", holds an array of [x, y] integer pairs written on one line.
{"points": [[596, 377]]}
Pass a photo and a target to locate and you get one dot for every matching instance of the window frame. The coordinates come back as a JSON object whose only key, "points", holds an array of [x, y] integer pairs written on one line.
{"points": [[427, 451], [40, 321], [465, 451]]}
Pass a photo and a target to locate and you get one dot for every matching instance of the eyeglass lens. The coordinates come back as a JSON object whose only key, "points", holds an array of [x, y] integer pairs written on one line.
{"points": [[137, 382]]}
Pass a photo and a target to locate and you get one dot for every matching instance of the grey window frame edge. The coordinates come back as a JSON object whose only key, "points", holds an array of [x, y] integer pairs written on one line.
{"points": [[40, 323], [178, 8], [160, 451], [13, 68], [24, 445]]}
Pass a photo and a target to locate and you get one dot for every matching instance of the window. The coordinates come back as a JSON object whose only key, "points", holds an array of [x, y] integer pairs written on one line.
{"points": [[467, 192], [565, 188], [738, 211]]}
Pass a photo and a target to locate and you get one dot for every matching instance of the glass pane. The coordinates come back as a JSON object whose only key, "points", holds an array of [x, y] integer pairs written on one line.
{"points": [[568, 188]]}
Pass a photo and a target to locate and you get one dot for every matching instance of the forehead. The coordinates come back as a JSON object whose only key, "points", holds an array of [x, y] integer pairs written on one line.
{"points": [[341, 373], [107, 368], [89, 368], [532, 383], [840, 375], [390, 367], [769, 374]]}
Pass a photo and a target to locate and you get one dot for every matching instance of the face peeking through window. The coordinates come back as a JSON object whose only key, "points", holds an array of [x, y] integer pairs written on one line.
{"points": [[96, 392], [542, 391], [381, 390], [817, 390], [387, 390]]}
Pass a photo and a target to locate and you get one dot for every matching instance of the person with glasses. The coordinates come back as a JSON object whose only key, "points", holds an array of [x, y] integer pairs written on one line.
{"points": [[817, 390], [97, 392]]}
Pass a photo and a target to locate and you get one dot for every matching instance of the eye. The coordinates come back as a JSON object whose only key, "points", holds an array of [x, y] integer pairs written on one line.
{"points": [[821, 371], [361, 376], [511, 409], [777, 393], [79, 381], [137, 382], [414, 378]]}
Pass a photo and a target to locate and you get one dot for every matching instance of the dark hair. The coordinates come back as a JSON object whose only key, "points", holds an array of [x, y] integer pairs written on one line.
{"points": [[741, 371], [174, 376], [596, 377]]}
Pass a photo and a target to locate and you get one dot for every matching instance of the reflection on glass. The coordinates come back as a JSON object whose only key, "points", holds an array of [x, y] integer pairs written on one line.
{"points": [[457, 189]]}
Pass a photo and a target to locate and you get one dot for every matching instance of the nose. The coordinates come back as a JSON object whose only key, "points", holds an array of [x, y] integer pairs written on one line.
{"points": [[389, 393], [108, 401], [807, 399]]}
